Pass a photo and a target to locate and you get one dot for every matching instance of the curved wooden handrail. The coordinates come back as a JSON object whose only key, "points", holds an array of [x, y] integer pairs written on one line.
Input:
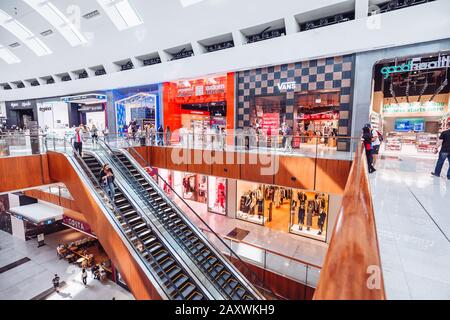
{"points": [[352, 266]]}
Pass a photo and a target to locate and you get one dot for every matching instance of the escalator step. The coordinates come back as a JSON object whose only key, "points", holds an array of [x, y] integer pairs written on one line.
{"points": [[238, 293], [148, 241], [167, 263], [173, 272], [180, 280], [187, 290], [196, 296], [155, 247], [160, 256]]}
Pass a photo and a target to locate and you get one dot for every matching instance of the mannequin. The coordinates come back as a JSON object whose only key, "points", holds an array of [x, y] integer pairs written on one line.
{"points": [[309, 215], [220, 200], [301, 215], [277, 198], [259, 200], [321, 222]]}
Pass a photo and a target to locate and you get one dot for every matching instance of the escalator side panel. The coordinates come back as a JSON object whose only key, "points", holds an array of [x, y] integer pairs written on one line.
{"points": [[61, 170]]}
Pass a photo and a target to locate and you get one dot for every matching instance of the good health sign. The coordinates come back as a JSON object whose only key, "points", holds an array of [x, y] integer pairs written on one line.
{"points": [[414, 107]]}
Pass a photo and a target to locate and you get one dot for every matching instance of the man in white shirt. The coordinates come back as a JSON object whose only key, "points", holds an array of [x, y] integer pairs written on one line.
{"points": [[376, 143], [77, 140]]}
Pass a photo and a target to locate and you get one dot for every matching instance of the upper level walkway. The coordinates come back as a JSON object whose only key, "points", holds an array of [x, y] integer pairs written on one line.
{"points": [[412, 212]]}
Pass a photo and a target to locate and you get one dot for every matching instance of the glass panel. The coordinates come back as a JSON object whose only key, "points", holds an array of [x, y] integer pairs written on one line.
{"points": [[286, 267], [250, 202], [313, 276], [249, 253]]}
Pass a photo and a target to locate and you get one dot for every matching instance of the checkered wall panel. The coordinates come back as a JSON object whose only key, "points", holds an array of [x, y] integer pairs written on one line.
{"points": [[320, 74]]}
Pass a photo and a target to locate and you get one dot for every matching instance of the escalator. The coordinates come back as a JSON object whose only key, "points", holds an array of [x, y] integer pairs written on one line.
{"points": [[217, 269], [175, 280]]}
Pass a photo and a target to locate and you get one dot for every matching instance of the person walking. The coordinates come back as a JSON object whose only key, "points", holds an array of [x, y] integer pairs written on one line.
{"points": [[55, 282], [444, 142], [94, 134], [168, 136], [367, 140], [288, 139], [107, 180], [160, 136], [77, 140], [376, 143], [84, 276]]}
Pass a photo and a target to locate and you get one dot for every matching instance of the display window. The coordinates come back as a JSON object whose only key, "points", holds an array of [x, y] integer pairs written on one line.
{"points": [[195, 187], [217, 195], [300, 212], [410, 109], [250, 202], [309, 214], [165, 180], [53, 115], [267, 113], [139, 107]]}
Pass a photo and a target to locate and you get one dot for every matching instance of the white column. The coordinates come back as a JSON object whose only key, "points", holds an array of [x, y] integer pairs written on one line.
{"points": [[197, 48], [361, 9], [291, 25], [238, 38], [231, 198]]}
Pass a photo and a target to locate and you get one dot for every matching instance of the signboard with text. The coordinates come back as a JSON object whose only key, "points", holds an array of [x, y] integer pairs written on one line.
{"points": [[272, 121], [415, 107], [76, 224]]}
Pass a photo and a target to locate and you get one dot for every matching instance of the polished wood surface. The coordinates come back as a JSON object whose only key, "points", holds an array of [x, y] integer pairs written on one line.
{"points": [[296, 172], [23, 172], [324, 175], [62, 171], [352, 266]]}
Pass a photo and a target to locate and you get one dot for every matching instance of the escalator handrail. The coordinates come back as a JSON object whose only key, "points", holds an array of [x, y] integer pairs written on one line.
{"points": [[103, 195], [140, 190], [232, 252]]}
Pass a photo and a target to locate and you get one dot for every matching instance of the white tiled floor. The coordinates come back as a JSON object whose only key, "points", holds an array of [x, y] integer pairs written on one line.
{"points": [[34, 277], [412, 211]]}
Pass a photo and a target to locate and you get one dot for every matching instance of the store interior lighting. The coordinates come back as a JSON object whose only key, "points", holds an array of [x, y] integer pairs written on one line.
{"points": [[121, 13], [24, 34], [59, 21], [7, 56]]}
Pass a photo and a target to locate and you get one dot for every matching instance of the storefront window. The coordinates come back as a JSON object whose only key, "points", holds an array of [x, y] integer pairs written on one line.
{"points": [[267, 113], [316, 118], [165, 180], [309, 214], [217, 195], [250, 202]]}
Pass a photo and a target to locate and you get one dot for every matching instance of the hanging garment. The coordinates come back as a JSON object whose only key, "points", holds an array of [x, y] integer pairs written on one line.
{"points": [[309, 214], [322, 217], [221, 195], [301, 214], [277, 197]]}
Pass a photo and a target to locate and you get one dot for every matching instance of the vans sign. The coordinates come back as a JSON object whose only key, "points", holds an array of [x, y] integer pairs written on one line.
{"points": [[286, 86]]}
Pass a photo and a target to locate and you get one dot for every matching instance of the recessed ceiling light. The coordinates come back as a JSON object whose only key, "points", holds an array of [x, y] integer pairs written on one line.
{"points": [[121, 13], [91, 14], [8, 56], [46, 32], [58, 20], [23, 34], [15, 45]]}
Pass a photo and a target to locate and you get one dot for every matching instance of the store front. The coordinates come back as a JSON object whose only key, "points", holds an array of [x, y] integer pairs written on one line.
{"points": [[20, 114], [410, 103], [200, 106], [53, 115], [87, 109], [207, 192], [138, 103], [297, 211], [313, 97]]}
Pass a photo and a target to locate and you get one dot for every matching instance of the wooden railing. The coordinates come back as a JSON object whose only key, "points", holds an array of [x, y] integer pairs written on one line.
{"points": [[352, 266]]}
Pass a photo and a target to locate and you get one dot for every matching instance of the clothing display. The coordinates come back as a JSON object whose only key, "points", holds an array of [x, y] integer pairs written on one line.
{"points": [[217, 195], [251, 203], [189, 187]]}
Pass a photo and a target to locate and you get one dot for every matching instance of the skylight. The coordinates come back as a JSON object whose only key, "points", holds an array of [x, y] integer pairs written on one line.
{"points": [[23, 34], [8, 56], [121, 13], [58, 20]]}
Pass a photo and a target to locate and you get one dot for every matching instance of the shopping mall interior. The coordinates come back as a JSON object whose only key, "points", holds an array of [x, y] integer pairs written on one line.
{"points": [[224, 150]]}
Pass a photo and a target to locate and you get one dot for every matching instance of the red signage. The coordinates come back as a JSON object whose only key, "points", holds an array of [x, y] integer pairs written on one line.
{"points": [[270, 121], [201, 87], [78, 225], [319, 116]]}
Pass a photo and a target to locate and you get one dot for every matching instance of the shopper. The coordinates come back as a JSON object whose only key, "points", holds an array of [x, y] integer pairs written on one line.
{"points": [[367, 140], [107, 180], [160, 136], [444, 153], [84, 276], [168, 136], [105, 133], [94, 134], [77, 140], [288, 139], [56, 283], [133, 128], [152, 134], [376, 143]]}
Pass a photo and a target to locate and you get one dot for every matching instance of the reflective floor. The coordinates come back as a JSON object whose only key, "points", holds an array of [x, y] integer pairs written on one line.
{"points": [[412, 211], [34, 277]]}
